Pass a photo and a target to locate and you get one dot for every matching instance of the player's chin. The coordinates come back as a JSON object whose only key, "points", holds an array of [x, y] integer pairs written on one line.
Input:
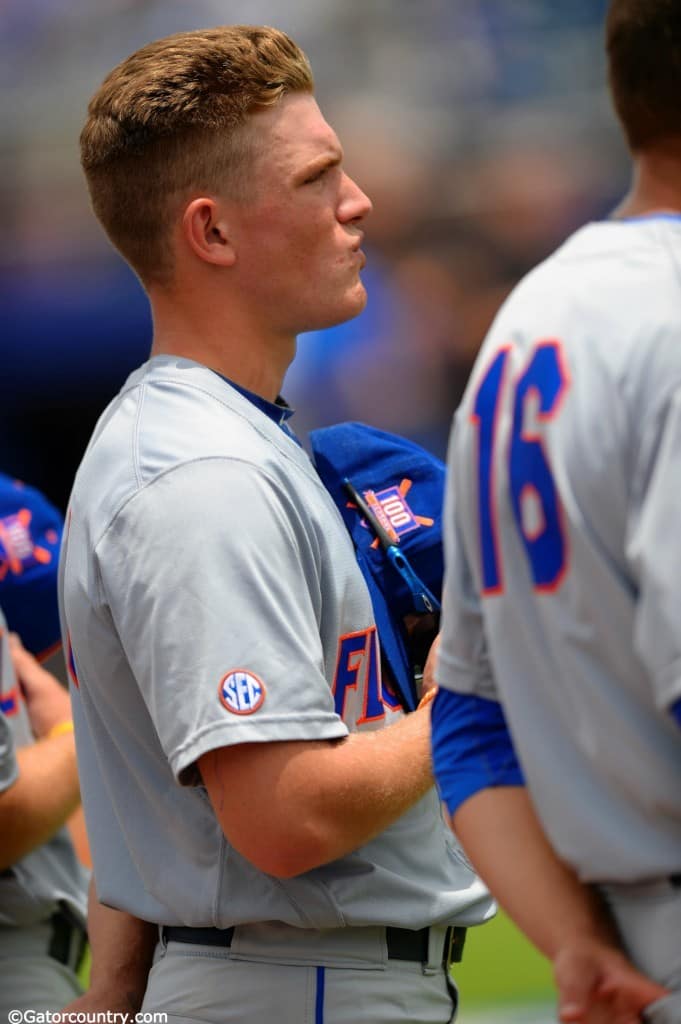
{"points": [[354, 301], [337, 311]]}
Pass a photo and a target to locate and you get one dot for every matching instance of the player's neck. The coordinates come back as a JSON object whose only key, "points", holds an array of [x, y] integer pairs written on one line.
{"points": [[227, 342], [656, 183]]}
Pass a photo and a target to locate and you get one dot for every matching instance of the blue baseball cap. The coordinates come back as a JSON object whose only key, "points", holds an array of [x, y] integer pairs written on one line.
{"points": [[390, 493], [30, 535]]}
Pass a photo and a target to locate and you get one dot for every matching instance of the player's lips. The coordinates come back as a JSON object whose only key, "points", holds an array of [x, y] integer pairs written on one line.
{"points": [[358, 252]]}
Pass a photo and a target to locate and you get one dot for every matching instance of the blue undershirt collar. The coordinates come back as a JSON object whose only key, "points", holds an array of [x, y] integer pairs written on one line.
{"points": [[653, 216], [278, 411]]}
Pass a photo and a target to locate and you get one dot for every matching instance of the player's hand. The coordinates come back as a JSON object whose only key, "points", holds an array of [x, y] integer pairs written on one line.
{"points": [[429, 683], [598, 985], [103, 1001], [47, 702]]}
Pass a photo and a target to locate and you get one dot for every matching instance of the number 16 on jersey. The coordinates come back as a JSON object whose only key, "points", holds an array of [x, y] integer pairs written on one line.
{"points": [[536, 396]]}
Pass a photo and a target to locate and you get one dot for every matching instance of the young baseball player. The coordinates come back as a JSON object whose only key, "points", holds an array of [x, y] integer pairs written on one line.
{"points": [[42, 884], [561, 650], [253, 788]]}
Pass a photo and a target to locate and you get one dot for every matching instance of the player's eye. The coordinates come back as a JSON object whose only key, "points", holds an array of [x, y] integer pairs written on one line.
{"points": [[315, 176]]}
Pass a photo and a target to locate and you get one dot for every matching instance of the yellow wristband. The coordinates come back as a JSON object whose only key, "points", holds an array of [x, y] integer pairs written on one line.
{"points": [[59, 729]]}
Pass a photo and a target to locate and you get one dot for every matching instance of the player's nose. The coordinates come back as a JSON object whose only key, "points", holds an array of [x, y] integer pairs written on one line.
{"points": [[354, 204]]}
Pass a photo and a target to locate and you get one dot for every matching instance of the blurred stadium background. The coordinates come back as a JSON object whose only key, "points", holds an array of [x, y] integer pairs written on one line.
{"points": [[483, 133]]}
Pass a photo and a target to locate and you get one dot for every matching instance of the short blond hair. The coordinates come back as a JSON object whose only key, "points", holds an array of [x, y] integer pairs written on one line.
{"points": [[168, 121]]}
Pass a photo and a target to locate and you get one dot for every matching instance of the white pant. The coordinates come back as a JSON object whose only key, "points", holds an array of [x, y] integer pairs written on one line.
{"points": [[32, 980], [196, 984], [648, 915]]}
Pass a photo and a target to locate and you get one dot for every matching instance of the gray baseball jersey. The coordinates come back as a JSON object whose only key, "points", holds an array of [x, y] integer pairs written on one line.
{"points": [[33, 888], [563, 585], [9, 771], [210, 596]]}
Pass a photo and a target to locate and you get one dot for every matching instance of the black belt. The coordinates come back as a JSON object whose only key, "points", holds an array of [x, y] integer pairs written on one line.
{"points": [[676, 880], [67, 941], [402, 943]]}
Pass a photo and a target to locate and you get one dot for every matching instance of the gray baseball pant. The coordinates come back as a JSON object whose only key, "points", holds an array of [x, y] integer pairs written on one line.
{"points": [[296, 977], [648, 915], [31, 978]]}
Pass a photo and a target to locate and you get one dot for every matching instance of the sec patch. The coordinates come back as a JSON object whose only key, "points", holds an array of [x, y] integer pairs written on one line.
{"points": [[241, 692]]}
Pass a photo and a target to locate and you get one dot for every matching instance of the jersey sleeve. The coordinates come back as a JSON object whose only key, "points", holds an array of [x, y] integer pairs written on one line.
{"points": [[213, 582], [9, 771], [463, 659], [472, 747], [654, 552]]}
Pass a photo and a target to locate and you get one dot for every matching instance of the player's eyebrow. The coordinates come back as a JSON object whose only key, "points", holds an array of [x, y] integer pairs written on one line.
{"points": [[331, 159]]}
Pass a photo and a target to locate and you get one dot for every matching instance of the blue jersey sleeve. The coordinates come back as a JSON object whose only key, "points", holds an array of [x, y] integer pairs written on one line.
{"points": [[472, 747], [676, 710]]}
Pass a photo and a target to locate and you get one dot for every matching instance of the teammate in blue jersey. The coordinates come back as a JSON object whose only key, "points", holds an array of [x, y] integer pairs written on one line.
{"points": [[560, 656], [253, 790]]}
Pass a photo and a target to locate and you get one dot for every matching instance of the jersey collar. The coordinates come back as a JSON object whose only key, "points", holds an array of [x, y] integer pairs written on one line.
{"points": [[654, 215], [279, 411]]}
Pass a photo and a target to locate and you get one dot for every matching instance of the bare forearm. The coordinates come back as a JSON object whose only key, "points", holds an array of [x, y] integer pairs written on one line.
{"points": [[122, 950], [501, 834], [289, 807], [503, 838], [360, 786], [41, 799]]}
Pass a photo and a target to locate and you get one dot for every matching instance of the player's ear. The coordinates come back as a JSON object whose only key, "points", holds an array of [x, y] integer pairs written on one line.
{"points": [[206, 231]]}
